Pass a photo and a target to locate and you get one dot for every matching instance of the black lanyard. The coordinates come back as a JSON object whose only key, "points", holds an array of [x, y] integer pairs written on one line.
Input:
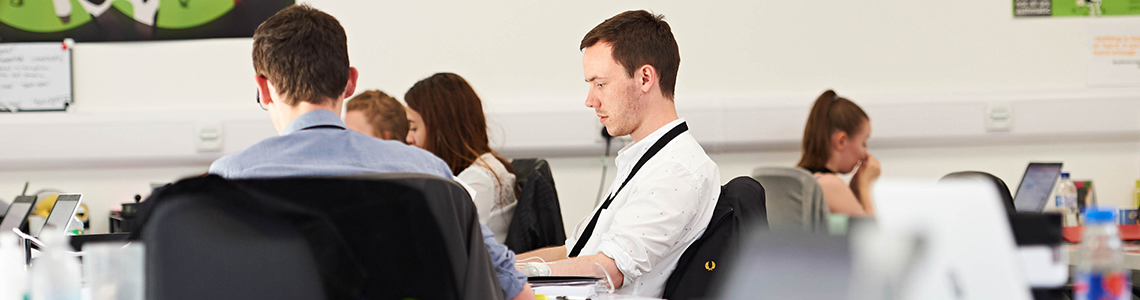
{"points": [[648, 154]]}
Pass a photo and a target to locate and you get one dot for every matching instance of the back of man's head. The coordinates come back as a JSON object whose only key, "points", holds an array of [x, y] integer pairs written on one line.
{"points": [[303, 52], [383, 112], [640, 38]]}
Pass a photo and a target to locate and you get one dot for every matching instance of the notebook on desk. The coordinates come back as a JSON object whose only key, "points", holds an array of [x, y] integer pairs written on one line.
{"points": [[565, 286]]}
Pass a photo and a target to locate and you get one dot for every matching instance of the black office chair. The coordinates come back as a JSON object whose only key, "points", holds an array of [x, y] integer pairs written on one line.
{"points": [[382, 236], [739, 209], [987, 178], [537, 220], [203, 249]]}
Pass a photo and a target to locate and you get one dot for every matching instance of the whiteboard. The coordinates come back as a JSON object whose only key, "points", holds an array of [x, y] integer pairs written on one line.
{"points": [[35, 76]]}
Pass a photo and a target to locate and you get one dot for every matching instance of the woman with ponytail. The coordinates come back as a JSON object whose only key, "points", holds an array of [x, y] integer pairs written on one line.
{"points": [[835, 142]]}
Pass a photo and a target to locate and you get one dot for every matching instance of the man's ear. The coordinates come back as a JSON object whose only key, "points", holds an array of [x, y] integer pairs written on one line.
{"points": [[646, 77], [263, 92], [350, 88], [387, 135]]}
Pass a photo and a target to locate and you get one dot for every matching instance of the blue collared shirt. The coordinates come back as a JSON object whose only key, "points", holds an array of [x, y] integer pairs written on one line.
{"points": [[317, 144]]}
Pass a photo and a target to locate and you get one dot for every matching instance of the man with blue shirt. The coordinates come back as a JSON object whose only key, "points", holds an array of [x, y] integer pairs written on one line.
{"points": [[303, 76]]}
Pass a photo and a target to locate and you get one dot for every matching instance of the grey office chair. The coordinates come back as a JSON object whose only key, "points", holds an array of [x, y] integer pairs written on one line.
{"points": [[794, 199]]}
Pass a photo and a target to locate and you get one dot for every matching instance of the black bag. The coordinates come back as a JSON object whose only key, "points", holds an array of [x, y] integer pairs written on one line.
{"points": [[740, 206]]}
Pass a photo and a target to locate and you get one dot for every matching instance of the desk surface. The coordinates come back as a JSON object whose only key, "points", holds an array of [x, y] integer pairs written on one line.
{"points": [[1131, 256]]}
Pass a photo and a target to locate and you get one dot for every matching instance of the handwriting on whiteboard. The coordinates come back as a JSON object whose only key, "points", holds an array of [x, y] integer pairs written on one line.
{"points": [[34, 76]]}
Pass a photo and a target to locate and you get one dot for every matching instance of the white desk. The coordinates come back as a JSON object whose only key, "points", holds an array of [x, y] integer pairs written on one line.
{"points": [[1131, 256]]}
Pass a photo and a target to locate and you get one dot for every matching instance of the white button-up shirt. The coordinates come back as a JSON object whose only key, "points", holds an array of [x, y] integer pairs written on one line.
{"points": [[660, 212]]}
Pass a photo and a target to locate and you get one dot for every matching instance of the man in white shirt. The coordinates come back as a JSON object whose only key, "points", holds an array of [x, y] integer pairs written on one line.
{"points": [[645, 224]]}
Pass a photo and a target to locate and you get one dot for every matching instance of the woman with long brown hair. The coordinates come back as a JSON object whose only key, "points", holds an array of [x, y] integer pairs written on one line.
{"points": [[446, 118], [835, 141]]}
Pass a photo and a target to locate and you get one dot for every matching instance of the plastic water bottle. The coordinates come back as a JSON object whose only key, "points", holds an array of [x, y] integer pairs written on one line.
{"points": [[1101, 274], [55, 274], [13, 271], [1065, 196]]}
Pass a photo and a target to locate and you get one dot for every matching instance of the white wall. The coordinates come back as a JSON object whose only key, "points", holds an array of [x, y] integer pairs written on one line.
{"points": [[749, 70], [1112, 166], [527, 51]]}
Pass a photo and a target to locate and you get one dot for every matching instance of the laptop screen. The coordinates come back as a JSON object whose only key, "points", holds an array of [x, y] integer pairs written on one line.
{"points": [[61, 213], [17, 213], [1036, 185]]}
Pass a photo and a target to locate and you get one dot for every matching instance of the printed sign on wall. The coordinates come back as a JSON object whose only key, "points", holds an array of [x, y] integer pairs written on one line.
{"points": [[1075, 8], [132, 20], [1115, 60]]}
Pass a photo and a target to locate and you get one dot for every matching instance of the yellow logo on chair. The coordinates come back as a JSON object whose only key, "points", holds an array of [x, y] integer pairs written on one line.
{"points": [[710, 265]]}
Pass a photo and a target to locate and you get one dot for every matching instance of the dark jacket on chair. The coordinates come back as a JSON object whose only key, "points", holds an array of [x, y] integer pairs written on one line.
{"points": [[537, 222], [741, 206]]}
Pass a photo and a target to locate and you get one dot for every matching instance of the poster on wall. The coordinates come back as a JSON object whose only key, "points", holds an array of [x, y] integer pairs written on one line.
{"points": [[1075, 8], [1115, 57], [131, 20]]}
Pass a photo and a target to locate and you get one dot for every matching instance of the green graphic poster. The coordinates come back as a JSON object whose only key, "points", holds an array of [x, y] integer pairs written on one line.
{"points": [[131, 20], [1075, 8]]}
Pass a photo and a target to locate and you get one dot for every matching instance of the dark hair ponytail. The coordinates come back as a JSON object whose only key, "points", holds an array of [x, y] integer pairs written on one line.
{"points": [[829, 114]]}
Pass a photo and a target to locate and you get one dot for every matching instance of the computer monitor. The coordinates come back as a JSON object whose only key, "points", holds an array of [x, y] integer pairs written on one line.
{"points": [[17, 215], [62, 212], [1036, 185]]}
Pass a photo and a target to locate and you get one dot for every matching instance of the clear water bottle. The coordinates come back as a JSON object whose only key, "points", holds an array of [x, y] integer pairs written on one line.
{"points": [[1065, 197], [55, 275], [1100, 273], [13, 272]]}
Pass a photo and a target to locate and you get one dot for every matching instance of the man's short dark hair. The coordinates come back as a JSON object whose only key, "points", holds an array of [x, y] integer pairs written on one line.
{"points": [[640, 38], [304, 53]]}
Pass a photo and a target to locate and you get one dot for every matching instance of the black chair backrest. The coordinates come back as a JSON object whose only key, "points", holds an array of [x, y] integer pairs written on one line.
{"points": [[537, 220], [386, 236], [199, 249], [741, 206], [987, 178]]}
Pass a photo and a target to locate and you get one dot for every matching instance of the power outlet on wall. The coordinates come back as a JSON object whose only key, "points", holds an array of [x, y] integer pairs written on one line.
{"points": [[999, 117], [208, 137]]}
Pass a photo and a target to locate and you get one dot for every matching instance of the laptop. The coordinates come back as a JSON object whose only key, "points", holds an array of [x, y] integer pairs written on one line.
{"points": [[62, 213], [17, 213], [1036, 185]]}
